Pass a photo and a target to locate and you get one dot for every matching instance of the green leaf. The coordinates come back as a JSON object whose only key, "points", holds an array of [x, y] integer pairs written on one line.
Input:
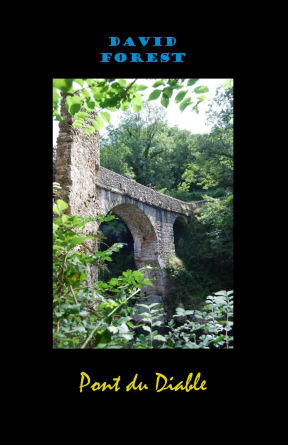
{"points": [[80, 329], [185, 104], [77, 124], [79, 81], [55, 209], [100, 122], [189, 312], [55, 226], [113, 329], [61, 204], [173, 83], [85, 94], [201, 98], [96, 125], [202, 89], [58, 314], [229, 198], [168, 91], [192, 81], [147, 281], [157, 83], [141, 87], [121, 82], [159, 337], [180, 96], [227, 83], [137, 275], [121, 321], [157, 323], [146, 328], [142, 339], [127, 273], [124, 105], [154, 95], [59, 118], [146, 316], [90, 105], [136, 102], [219, 339], [74, 241], [83, 277], [102, 338], [165, 100], [105, 116], [65, 85], [82, 114], [84, 313], [89, 129], [73, 104], [74, 308]]}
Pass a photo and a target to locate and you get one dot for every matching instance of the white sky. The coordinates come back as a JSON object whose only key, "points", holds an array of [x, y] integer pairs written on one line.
{"points": [[188, 119]]}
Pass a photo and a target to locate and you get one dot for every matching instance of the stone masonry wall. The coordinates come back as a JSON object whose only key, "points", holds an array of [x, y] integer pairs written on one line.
{"points": [[77, 164], [151, 228], [114, 182]]}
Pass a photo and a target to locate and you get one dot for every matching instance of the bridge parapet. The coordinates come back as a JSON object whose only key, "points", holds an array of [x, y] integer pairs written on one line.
{"points": [[113, 182]]}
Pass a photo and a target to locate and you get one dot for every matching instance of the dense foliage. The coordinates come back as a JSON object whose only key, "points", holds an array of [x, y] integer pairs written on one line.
{"points": [[191, 168], [99, 317], [180, 164], [114, 94]]}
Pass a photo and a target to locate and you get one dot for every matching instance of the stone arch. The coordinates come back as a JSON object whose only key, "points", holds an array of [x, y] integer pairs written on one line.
{"points": [[143, 232], [146, 247], [180, 221]]}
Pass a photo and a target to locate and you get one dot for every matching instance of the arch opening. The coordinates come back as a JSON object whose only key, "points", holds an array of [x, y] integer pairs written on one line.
{"points": [[145, 244], [179, 223], [116, 231], [143, 232]]}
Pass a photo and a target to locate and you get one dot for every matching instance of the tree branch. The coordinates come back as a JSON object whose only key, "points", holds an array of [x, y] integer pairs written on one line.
{"points": [[124, 94]]}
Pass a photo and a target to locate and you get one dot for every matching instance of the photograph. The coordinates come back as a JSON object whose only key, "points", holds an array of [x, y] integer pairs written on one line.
{"points": [[142, 206]]}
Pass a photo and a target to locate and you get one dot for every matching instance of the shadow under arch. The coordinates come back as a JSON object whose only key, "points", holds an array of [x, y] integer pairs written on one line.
{"points": [[143, 232], [146, 249], [180, 221], [116, 231], [179, 224]]}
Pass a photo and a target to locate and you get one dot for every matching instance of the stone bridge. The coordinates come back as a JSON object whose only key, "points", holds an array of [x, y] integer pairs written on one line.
{"points": [[149, 215], [92, 190]]}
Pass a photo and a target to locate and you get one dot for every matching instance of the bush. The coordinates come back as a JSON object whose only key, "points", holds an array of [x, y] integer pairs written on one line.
{"points": [[99, 317], [186, 289], [196, 196], [219, 192]]}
